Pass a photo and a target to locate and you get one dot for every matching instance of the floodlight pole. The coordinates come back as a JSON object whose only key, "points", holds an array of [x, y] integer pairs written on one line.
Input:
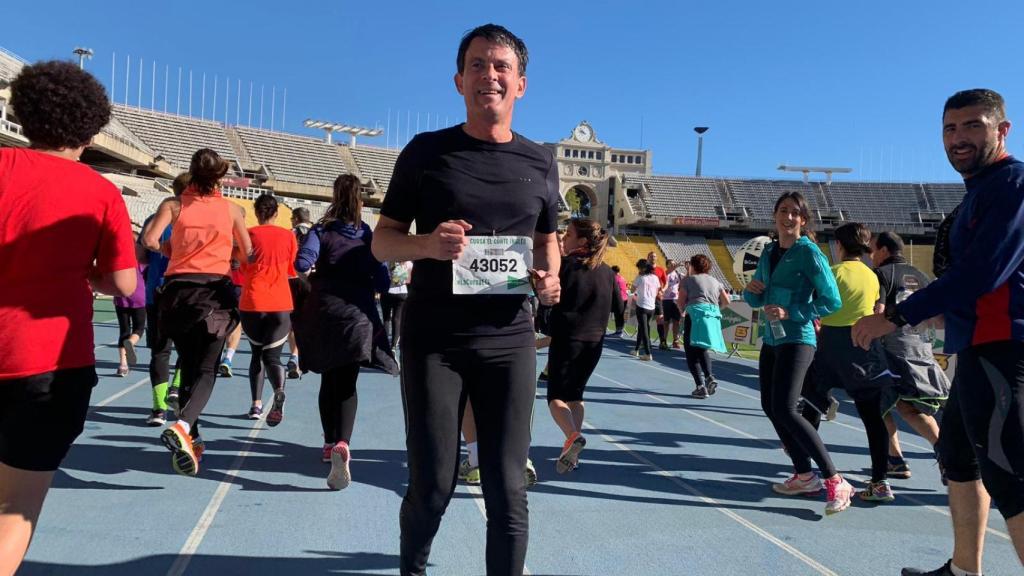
{"points": [[83, 54], [700, 130]]}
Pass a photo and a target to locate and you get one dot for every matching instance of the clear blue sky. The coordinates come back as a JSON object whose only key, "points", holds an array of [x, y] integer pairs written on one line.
{"points": [[856, 84]]}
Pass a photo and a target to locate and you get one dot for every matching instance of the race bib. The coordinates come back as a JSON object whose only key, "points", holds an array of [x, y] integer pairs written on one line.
{"points": [[494, 265]]}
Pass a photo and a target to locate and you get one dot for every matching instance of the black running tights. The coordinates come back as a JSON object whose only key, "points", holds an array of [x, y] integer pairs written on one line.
{"points": [[643, 330], [781, 371], [698, 360], [338, 403]]}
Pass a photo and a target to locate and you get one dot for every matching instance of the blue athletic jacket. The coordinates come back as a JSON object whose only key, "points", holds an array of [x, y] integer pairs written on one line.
{"points": [[982, 292], [803, 284]]}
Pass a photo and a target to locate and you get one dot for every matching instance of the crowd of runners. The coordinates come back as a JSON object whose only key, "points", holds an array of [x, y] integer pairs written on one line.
{"points": [[484, 200]]}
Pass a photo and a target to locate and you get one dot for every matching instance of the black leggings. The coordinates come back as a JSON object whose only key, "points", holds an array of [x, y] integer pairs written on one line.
{"points": [[159, 348], [698, 360], [391, 310], [130, 322], [267, 333], [501, 384], [619, 310], [338, 403], [781, 371], [198, 355], [643, 330]]}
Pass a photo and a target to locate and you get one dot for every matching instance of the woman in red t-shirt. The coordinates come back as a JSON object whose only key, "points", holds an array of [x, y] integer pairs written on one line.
{"points": [[64, 227], [266, 305]]}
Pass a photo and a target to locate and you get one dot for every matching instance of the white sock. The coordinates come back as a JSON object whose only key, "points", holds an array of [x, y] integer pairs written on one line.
{"points": [[474, 456], [184, 425], [229, 353], [960, 571]]}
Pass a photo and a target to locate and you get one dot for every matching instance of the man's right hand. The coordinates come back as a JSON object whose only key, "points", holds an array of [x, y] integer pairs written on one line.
{"points": [[448, 240], [755, 287]]}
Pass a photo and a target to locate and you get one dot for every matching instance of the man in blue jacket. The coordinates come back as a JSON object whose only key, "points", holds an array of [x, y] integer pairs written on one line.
{"points": [[981, 295]]}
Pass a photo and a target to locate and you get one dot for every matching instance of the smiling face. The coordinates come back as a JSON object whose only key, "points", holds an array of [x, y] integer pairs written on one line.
{"points": [[789, 219], [974, 137], [490, 82]]}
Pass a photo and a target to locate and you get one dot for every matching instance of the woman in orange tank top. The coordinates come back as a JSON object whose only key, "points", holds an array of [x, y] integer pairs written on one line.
{"points": [[197, 303]]}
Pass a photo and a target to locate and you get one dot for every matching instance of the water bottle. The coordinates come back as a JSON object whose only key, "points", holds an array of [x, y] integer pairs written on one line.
{"points": [[778, 331]]}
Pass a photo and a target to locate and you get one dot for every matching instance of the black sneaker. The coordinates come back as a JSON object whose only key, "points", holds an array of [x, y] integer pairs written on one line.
{"points": [[701, 392], [944, 570], [293, 370], [664, 346], [897, 468], [712, 385]]}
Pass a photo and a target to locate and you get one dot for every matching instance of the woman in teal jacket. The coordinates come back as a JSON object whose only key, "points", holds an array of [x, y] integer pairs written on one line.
{"points": [[794, 284]]}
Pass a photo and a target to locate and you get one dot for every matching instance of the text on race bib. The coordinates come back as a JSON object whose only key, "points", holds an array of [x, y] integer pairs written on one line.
{"points": [[494, 265]]}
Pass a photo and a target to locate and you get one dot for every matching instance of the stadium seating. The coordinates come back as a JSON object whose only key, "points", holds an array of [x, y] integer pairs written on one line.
{"points": [[723, 259], [944, 197], [116, 129], [682, 247], [877, 203], [291, 158], [375, 163], [759, 196], [175, 137], [678, 195], [629, 249], [10, 65]]}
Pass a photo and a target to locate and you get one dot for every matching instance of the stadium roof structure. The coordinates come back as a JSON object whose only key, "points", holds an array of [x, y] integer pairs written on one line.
{"points": [[331, 127]]}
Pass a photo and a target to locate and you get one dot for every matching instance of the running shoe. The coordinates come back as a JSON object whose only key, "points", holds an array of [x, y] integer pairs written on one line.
{"points": [[840, 494], [833, 409], [276, 413], [712, 385], [676, 345], [877, 492], [469, 474], [635, 353], [293, 370], [796, 486], [225, 368], [543, 375], [570, 453], [326, 457], [183, 457], [944, 570], [647, 357], [663, 346], [172, 398], [198, 446], [122, 370], [531, 474], [156, 418], [700, 392], [340, 476], [897, 468], [129, 353], [256, 412]]}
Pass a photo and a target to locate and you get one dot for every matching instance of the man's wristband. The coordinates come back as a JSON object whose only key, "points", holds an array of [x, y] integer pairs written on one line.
{"points": [[893, 315]]}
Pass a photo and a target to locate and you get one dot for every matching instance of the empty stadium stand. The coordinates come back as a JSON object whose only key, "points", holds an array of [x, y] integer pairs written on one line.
{"points": [[681, 248], [628, 250], [944, 197], [175, 137], [673, 195], [877, 203], [375, 163], [759, 196], [291, 158]]}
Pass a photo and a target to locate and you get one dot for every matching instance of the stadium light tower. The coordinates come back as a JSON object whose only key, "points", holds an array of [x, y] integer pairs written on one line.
{"points": [[820, 170], [331, 127], [83, 54], [700, 130]]}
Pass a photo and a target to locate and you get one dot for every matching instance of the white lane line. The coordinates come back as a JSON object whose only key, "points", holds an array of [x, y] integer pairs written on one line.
{"points": [[858, 478], [117, 395], [817, 566], [107, 345], [195, 538]]}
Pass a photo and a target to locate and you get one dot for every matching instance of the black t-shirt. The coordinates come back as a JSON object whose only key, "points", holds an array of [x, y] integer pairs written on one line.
{"points": [[897, 280], [507, 189], [586, 301]]}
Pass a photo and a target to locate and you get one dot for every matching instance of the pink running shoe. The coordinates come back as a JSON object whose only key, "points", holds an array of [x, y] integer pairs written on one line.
{"points": [[796, 486], [326, 457], [340, 476], [840, 493]]}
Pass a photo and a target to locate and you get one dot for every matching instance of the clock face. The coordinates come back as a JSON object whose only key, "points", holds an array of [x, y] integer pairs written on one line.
{"points": [[582, 171], [583, 133]]}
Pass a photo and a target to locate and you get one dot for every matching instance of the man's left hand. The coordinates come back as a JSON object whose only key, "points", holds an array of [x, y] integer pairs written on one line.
{"points": [[870, 327], [547, 287]]}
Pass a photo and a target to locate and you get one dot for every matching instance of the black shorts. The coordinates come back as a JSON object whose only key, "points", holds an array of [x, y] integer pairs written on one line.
{"points": [[672, 312], [658, 308], [570, 365], [838, 363], [41, 415], [981, 430]]}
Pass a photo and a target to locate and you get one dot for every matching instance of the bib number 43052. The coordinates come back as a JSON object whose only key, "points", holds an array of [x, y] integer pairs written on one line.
{"points": [[495, 265]]}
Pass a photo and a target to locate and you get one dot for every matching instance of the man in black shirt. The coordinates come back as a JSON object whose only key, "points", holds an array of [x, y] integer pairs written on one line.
{"points": [[481, 196]]}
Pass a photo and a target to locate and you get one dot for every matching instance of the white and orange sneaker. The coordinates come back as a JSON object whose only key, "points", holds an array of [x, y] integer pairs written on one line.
{"points": [[176, 438], [840, 494], [808, 485], [340, 476], [570, 456]]}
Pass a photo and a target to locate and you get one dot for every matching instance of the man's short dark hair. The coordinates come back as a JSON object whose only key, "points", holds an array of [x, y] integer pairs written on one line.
{"points": [[496, 35], [990, 100], [301, 214], [59, 105], [890, 241]]}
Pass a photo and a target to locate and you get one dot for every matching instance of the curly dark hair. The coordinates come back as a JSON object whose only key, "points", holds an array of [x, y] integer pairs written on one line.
{"points": [[700, 263], [59, 105]]}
